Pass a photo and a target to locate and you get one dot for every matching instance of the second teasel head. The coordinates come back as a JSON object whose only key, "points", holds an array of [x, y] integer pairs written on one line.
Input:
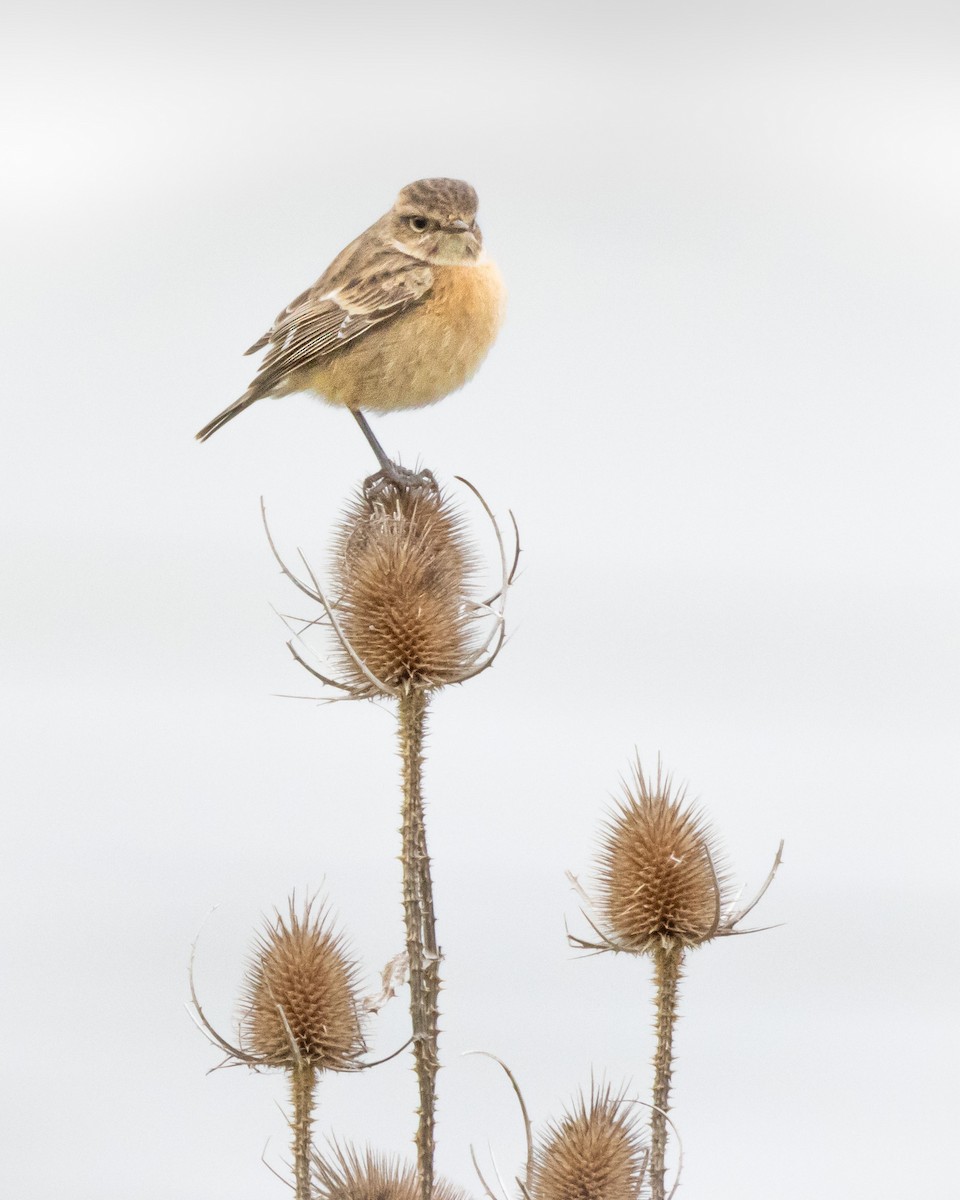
{"points": [[301, 1004], [658, 882]]}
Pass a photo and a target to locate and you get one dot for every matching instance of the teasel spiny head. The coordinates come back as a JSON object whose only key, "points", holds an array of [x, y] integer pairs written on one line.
{"points": [[301, 1007], [595, 1151], [301, 1004], [403, 570], [661, 881], [403, 606], [351, 1174], [657, 869]]}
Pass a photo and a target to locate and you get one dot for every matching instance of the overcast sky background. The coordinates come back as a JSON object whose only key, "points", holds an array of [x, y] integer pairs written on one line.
{"points": [[724, 410]]}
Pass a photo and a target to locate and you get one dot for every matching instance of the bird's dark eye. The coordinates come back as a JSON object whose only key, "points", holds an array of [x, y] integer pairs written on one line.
{"points": [[418, 223]]}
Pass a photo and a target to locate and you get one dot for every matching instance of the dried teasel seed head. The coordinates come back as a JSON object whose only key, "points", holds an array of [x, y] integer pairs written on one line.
{"points": [[349, 1174], [594, 1152], [301, 998], [403, 566], [658, 884]]}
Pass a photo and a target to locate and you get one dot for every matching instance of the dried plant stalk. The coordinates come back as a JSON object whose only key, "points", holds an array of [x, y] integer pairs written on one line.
{"points": [[667, 962], [303, 1081], [405, 624], [422, 951]]}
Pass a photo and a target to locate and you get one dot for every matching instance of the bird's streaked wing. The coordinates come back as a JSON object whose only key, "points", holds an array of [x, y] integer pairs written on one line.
{"points": [[322, 320]]}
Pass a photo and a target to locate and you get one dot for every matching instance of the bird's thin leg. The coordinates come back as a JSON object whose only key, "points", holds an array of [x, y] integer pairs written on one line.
{"points": [[391, 474], [386, 464]]}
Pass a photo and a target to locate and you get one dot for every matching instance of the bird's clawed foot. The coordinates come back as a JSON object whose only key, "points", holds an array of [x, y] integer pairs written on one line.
{"points": [[392, 479]]}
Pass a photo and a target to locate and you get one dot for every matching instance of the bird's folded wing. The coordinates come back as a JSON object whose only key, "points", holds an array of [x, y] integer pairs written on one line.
{"points": [[319, 322]]}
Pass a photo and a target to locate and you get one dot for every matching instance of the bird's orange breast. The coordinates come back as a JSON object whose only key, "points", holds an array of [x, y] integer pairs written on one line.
{"points": [[421, 355]]}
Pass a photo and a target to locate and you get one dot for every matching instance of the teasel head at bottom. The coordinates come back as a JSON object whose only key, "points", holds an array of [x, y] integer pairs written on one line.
{"points": [[595, 1151], [346, 1173]]}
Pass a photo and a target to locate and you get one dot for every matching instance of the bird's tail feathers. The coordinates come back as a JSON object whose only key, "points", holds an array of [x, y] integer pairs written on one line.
{"points": [[227, 415]]}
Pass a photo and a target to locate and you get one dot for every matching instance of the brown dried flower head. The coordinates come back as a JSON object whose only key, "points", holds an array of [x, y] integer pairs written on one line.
{"points": [[403, 567], [301, 1003], [594, 1152], [657, 881], [365, 1175]]}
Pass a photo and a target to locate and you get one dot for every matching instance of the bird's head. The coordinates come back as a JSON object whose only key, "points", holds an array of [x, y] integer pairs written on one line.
{"points": [[436, 220]]}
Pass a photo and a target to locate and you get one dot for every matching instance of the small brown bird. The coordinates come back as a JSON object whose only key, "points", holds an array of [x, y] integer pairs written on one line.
{"points": [[402, 317]]}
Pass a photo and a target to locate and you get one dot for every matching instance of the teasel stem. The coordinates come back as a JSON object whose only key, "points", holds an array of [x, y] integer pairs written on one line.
{"points": [[303, 1078], [667, 961], [422, 953]]}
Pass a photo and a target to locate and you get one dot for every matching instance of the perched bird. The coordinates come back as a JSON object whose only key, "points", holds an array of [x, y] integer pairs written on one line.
{"points": [[402, 317]]}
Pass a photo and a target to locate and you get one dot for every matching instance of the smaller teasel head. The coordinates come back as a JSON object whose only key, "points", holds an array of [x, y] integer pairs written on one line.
{"points": [[351, 1174], [661, 885], [301, 1004], [658, 883], [594, 1152]]}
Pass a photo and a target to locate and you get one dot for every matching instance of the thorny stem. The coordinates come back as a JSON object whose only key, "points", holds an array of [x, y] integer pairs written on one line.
{"points": [[303, 1077], [422, 953], [667, 961]]}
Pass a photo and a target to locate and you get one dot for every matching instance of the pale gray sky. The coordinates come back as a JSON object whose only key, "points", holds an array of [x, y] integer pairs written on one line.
{"points": [[724, 410]]}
